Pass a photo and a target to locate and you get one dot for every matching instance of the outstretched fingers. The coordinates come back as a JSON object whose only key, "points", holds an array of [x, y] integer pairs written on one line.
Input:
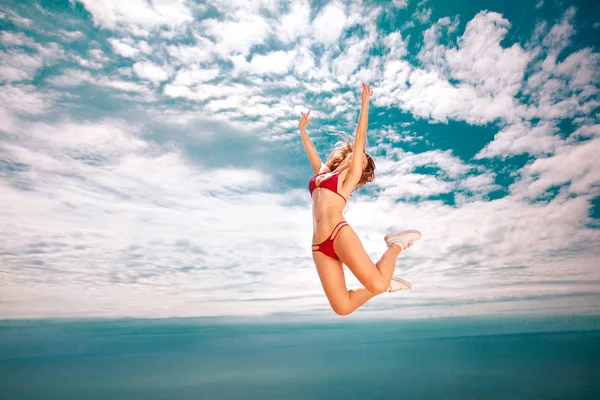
{"points": [[367, 92], [304, 120]]}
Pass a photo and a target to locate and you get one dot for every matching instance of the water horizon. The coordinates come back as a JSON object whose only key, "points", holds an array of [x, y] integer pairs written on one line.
{"points": [[467, 358]]}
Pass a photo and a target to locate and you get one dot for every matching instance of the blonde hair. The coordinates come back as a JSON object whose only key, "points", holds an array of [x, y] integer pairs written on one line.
{"points": [[341, 151]]}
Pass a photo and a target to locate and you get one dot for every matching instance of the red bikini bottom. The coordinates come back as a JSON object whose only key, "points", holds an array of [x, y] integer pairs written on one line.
{"points": [[326, 246]]}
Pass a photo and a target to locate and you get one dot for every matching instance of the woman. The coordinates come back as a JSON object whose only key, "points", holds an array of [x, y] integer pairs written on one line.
{"points": [[347, 169]]}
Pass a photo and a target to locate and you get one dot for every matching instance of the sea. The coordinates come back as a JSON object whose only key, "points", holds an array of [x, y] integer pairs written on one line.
{"points": [[339, 358]]}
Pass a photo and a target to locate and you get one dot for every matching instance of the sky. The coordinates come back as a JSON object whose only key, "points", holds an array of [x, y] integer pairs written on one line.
{"points": [[151, 165]]}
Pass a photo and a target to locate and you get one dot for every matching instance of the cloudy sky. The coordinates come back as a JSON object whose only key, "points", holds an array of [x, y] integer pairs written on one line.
{"points": [[150, 163]]}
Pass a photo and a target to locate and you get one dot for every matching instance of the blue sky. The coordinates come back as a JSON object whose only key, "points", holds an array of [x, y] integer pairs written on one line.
{"points": [[150, 163]]}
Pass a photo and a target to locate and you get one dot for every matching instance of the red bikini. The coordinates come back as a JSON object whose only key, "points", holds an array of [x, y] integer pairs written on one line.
{"points": [[330, 183]]}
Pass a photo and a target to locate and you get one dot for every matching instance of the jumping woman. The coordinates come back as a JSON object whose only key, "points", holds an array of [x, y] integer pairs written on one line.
{"points": [[347, 169]]}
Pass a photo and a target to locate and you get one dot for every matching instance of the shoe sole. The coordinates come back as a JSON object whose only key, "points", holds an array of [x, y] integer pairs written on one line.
{"points": [[407, 283], [396, 233]]}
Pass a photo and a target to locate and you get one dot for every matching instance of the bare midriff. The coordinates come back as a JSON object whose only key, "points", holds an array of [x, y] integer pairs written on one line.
{"points": [[328, 210]]}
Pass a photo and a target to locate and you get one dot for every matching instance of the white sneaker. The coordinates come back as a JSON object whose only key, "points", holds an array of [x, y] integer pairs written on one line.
{"points": [[403, 239], [399, 284]]}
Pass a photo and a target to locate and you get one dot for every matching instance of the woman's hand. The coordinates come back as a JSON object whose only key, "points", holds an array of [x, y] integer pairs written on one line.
{"points": [[304, 120], [366, 93]]}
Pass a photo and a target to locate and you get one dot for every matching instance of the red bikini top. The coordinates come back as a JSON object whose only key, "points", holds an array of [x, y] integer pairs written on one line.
{"points": [[330, 183]]}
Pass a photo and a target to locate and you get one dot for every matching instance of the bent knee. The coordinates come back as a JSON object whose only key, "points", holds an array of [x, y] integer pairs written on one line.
{"points": [[378, 286], [342, 308]]}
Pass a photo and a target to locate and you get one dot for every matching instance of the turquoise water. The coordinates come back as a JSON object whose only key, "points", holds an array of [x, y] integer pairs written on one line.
{"points": [[469, 358]]}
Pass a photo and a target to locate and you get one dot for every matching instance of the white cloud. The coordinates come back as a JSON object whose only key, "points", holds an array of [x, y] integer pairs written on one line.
{"points": [[560, 34], [396, 72], [395, 45], [487, 75], [407, 25], [341, 102], [237, 36], [195, 75], [152, 72], [577, 165], [106, 171], [432, 52], [128, 47], [105, 139], [75, 77], [206, 91], [450, 23], [15, 18], [87, 63], [423, 14], [201, 51], [566, 89], [586, 132], [293, 24], [392, 135], [233, 102], [98, 55], [122, 48], [16, 39], [275, 62], [123, 85], [70, 35], [329, 23], [580, 68], [173, 90], [94, 59], [25, 99], [451, 166], [400, 3], [304, 63], [409, 186], [481, 61], [233, 107], [354, 54], [521, 138], [70, 77], [479, 184], [19, 65], [138, 16], [239, 7], [398, 179], [432, 96]]}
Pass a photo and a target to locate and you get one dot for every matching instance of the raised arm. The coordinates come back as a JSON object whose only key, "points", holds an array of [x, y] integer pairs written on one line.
{"points": [[360, 138], [311, 151]]}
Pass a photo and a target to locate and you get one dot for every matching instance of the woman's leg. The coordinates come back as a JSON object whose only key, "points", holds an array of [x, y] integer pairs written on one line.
{"points": [[375, 277], [331, 274]]}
